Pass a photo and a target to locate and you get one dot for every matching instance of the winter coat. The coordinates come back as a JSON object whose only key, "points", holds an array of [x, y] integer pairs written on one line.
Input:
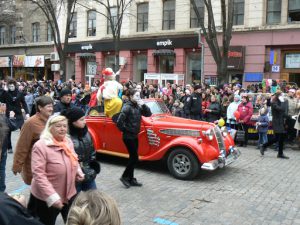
{"points": [[13, 213], [59, 107], [292, 106], [15, 101], [186, 101], [233, 106], [297, 123], [53, 172], [246, 112], [279, 113], [177, 111], [195, 104], [215, 112], [264, 123], [129, 120]]}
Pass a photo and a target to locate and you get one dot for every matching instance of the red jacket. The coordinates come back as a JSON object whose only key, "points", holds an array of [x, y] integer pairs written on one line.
{"points": [[246, 112]]}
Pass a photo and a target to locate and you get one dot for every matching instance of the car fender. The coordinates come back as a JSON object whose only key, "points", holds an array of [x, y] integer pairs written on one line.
{"points": [[204, 152], [96, 142]]}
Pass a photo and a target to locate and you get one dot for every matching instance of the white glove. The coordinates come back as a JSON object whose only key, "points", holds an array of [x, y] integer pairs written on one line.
{"points": [[27, 116]]}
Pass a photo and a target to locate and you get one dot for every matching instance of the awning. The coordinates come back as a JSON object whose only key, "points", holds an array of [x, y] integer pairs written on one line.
{"points": [[86, 55], [159, 52]]}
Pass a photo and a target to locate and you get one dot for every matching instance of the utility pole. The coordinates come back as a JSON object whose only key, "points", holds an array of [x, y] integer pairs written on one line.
{"points": [[202, 56]]}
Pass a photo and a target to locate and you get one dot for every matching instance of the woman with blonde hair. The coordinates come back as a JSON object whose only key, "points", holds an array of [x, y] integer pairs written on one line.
{"points": [[94, 208], [55, 170]]}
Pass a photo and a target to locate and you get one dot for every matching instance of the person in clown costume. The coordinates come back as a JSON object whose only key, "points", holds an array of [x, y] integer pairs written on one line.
{"points": [[110, 92]]}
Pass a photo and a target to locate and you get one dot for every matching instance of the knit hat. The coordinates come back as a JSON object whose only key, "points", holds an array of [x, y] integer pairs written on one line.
{"points": [[196, 87], [237, 96], [65, 91], [108, 72], [73, 114]]}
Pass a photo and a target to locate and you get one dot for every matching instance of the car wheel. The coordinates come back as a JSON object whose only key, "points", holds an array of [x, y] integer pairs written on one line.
{"points": [[183, 164]]}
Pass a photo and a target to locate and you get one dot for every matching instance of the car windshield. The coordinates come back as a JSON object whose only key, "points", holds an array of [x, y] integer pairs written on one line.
{"points": [[157, 107]]}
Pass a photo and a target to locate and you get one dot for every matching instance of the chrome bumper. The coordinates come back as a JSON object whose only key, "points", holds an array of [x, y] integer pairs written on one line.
{"points": [[222, 161]]}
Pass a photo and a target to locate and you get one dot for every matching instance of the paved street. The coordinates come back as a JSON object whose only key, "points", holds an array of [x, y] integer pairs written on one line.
{"points": [[254, 190]]}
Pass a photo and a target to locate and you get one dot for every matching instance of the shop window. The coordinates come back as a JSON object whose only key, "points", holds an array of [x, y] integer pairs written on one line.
{"points": [[140, 67], [2, 35], [273, 11], [35, 32], [193, 67], [238, 12], [169, 15], [91, 23], [294, 11], [142, 17], [73, 26], [112, 17], [194, 21], [110, 61], [13, 34], [166, 64], [49, 32]]}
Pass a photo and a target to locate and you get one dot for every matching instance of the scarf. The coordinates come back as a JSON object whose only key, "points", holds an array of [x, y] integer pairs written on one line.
{"points": [[67, 150]]}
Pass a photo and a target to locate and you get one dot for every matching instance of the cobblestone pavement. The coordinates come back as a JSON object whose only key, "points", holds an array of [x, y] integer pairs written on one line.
{"points": [[254, 190]]}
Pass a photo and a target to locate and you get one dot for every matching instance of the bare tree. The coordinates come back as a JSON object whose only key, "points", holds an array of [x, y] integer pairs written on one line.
{"points": [[8, 12], [52, 9], [219, 53], [115, 19]]}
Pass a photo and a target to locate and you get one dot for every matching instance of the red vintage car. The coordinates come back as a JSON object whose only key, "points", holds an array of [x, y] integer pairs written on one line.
{"points": [[187, 145]]}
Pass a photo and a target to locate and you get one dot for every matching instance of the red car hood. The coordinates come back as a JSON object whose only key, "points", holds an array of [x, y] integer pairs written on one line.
{"points": [[163, 120]]}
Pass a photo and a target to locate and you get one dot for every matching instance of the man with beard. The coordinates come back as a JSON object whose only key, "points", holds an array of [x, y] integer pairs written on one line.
{"points": [[15, 101], [195, 103], [30, 133]]}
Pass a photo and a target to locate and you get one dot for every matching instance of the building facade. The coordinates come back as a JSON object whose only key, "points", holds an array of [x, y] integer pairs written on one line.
{"points": [[25, 43]]}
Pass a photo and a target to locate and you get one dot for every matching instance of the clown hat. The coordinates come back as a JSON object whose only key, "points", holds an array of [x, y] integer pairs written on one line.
{"points": [[108, 72]]}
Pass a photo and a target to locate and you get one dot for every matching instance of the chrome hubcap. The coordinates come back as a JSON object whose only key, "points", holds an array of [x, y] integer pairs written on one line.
{"points": [[181, 164]]}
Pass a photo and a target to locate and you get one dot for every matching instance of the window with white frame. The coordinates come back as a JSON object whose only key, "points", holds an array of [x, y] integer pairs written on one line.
{"points": [[35, 32], [73, 26], [142, 17], [91, 23], [238, 12], [2, 35], [294, 11], [112, 17], [13, 34], [273, 11], [169, 15], [49, 32], [194, 21]]}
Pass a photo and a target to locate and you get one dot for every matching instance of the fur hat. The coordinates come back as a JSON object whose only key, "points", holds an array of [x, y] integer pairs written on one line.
{"points": [[73, 114], [65, 91]]}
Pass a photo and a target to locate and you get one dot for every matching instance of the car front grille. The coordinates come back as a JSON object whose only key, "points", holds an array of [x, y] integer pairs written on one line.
{"points": [[181, 132], [219, 137]]}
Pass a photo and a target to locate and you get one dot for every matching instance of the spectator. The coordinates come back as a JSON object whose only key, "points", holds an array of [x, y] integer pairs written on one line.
{"points": [[279, 113], [177, 109], [65, 101], [292, 111], [245, 109], [94, 208], [30, 133], [55, 169], [186, 104], [213, 111], [262, 126], [195, 104], [83, 145]]}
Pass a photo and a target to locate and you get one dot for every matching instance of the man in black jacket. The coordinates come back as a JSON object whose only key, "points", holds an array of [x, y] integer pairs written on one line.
{"points": [[15, 102], [65, 101], [129, 122], [195, 103]]}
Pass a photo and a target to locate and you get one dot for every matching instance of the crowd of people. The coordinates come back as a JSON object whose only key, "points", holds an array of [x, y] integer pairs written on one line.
{"points": [[55, 153]]}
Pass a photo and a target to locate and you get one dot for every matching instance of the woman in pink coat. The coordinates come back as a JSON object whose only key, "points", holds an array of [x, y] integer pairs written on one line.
{"points": [[55, 170], [245, 109]]}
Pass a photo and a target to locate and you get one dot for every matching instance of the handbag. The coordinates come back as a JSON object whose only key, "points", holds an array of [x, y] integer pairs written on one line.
{"points": [[90, 169], [12, 124], [240, 135]]}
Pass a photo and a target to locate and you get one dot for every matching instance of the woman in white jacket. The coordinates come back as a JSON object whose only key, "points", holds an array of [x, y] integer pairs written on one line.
{"points": [[231, 120]]}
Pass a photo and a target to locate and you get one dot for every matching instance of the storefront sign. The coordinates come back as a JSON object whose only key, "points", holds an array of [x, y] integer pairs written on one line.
{"points": [[275, 68], [4, 62], [236, 58], [91, 68], [164, 43], [87, 47], [253, 77], [35, 61], [19, 60], [292, 61]]}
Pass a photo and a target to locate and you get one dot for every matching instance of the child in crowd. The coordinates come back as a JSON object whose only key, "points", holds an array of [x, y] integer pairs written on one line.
{"points": [[262, 125]]}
